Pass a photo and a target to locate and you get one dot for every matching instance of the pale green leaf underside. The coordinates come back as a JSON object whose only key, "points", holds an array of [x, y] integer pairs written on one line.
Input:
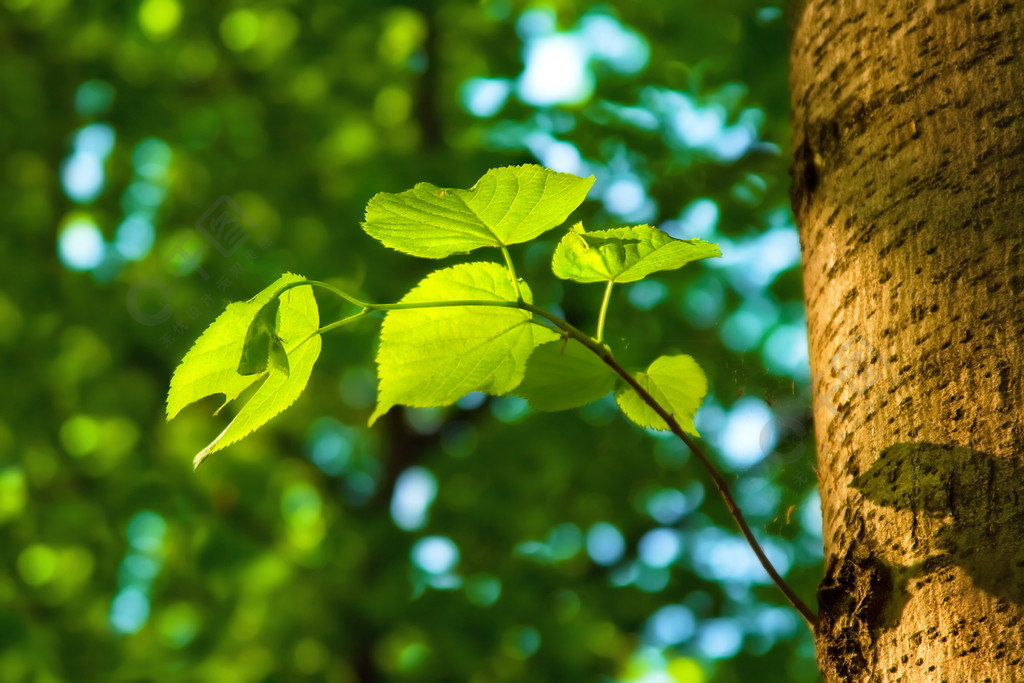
{"points": [[210, 366], [561, 375], [435, 356], [677, 383], [624, 254], [507, 205]]}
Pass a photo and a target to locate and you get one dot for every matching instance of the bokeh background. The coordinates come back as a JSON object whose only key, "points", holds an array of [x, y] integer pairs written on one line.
{"points": [[478, 543]]}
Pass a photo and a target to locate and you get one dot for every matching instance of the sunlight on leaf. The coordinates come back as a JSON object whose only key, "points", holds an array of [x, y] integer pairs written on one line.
{"points": [[624, 254], [434, 356], [677, 383], [506, 206], [211, 365]]}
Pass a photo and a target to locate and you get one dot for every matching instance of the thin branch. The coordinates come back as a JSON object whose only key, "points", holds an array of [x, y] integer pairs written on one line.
{"points": [[605, 354], [720, 483]]}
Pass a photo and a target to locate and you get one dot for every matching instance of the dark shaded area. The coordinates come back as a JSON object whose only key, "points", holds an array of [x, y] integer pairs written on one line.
{"points": [[982, 495]]}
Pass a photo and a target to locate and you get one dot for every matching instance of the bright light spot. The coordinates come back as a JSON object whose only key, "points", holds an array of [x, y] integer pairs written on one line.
{"points": [[697, 219], [151, 158], [329, 445], [134, 237], [810, 514], [785, 351], [80, 245], [740, 439], [535, 22], [659, 547], [472, 400], [129, 610], [733, 142], [146, 531], [667, 506], [757, 496], [720, 638], [484, 97], [435, 554], [240, 29], [647, 294], [37, 564], [720, 556], [96, 139], [415, 489], [697, 126], [742, 330], [81, 175], [563, 157], [625, 196], [556, 71], [671, 625], [137, 568], [605, 544], [778, 250], [159, 18], [610, 42]]}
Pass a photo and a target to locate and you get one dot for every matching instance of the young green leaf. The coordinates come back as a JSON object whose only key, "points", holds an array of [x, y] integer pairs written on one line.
{"points": [[677, 383], [564, 374], [623, 254], [435, 356], [262, 345], [506, 206], [210, 366]]}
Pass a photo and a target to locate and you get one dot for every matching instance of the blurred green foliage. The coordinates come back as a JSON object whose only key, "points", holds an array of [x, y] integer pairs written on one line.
{"points": [[162, 158]]}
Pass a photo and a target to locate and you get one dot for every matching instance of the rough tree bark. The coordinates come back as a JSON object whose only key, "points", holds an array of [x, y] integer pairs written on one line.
{"points": [[909, 194]]}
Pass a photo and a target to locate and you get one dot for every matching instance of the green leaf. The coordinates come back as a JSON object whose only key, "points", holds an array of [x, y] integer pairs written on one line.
{"points": [[262, 345], [677, 383], [210, 366], [623, 254], [506, 206], [562, 375], [435, 356]]}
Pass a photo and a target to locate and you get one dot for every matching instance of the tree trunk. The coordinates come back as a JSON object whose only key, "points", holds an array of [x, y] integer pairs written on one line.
{"points": [[909, 193]]}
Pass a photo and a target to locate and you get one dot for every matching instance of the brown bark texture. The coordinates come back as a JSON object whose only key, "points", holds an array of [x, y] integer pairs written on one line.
{"points": [[909, 192]]}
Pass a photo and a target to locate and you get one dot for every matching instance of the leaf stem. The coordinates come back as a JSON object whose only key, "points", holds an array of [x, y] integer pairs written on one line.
{"points": [[512, 272], [604, 310], [323, 285], [330, 326]]}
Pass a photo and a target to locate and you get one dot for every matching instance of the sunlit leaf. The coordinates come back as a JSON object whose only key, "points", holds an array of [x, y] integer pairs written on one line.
{"points": [[210, 366], [624, 254], [506, 206], [677, 383], [435, 356], [564, 374]]}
